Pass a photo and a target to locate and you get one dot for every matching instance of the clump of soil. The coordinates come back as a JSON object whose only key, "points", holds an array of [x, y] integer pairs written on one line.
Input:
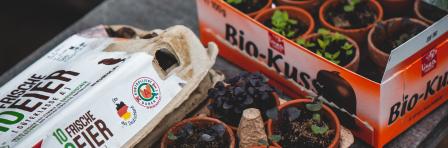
{"points": [[248, 6], [298, 133], [391, 39], [431, 12], [361, 16], [191, 136], [246, 90]]}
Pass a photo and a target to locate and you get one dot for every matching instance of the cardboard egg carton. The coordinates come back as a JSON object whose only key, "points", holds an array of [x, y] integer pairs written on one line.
{"points": [[95, 90]]}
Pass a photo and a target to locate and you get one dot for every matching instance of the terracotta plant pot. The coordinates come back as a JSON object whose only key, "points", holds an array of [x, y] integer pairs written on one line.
{"points": [[255, 13], [378, 56], [309, 5], [201, 122], [418, 4], [352, 65], [234, 128], [293, 12], [395, 8], [417, 12], [358, 34], [326, 111]]}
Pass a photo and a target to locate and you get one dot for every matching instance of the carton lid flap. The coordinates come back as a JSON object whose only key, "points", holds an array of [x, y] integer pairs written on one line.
{"points": [[414, 45]]}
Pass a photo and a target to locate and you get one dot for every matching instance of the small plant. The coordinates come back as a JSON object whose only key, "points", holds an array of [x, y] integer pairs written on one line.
{"points": [[351, 5], [230, 99], [235, 2], [194, 136], [305, 43], [332, 46], [301, 126], [318, 127], [248, 6], [351, 14], [283, 25]]}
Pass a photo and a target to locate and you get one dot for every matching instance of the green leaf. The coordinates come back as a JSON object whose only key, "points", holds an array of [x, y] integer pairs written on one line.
{"points": [[234, 1], [279, 19], [336, 61], [319, 130], [319, 53], [337, 36], [310, 44], [263, 142], [354, 2], [291, 21], [171, 136], [275, 138], [301, 41], [349, 8], [290, 34], [323, 43], [281, 22], [305, 43], [336, 55], [347, 46], [328, 55], [277, 30], [349, 52], [323, 31], [314, 106], [316, 117]]}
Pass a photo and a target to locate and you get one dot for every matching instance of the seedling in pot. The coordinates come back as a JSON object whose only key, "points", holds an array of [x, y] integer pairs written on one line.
{"points": [[333, 46], [350, 14], [230, 98], [248, 6], [303, 126], [234, 2], [282, 23], [191, 135], [351, 5]]}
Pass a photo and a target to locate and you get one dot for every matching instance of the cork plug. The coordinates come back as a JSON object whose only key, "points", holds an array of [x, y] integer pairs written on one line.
{"points": [[251, 128]]}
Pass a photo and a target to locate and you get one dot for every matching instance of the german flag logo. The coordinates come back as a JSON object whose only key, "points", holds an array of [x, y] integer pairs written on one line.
{"points": [[122, 110]]}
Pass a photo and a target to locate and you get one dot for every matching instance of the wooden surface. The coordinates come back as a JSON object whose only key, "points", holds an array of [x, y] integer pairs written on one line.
{"points": [[151, 14]]}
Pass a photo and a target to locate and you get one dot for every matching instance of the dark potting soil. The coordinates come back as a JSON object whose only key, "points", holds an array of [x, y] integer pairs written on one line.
{"points": [[300, 28], [333, 47], [431, 12], [392, 40], [361, 17], [299, 134], [194, 140], [249, 6]]}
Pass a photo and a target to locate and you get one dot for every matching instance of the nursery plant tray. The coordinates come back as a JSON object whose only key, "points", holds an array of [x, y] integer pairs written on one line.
{"points": [[372, 110]]}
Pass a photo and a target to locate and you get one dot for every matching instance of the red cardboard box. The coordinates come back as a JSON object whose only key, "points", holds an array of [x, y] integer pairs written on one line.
{"points": [[414, 82]]}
